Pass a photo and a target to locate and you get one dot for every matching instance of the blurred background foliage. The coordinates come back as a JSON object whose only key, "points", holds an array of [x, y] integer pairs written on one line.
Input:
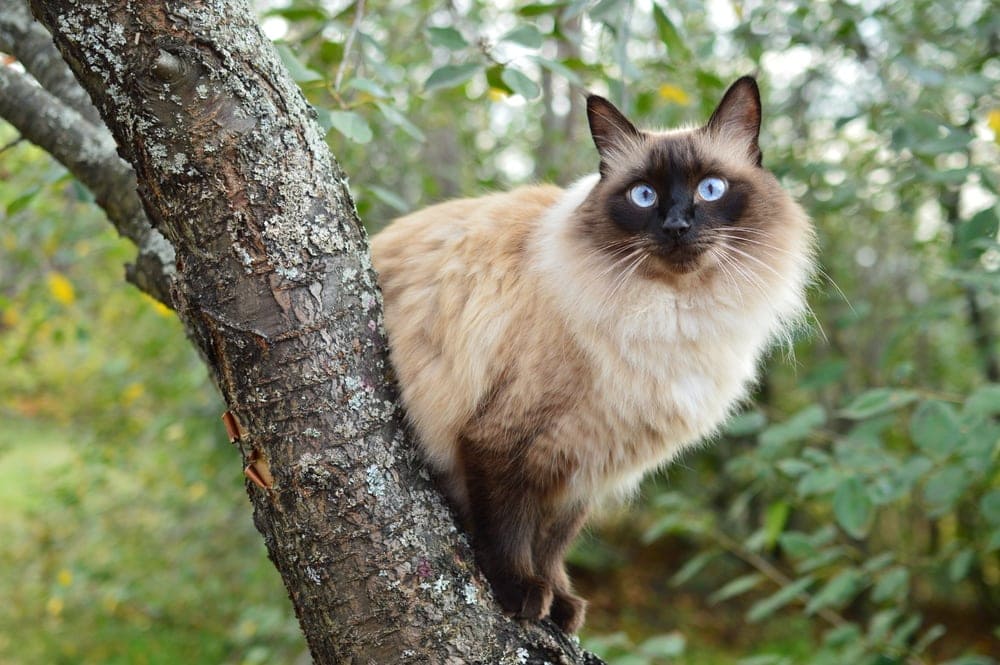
{"points": [[851, 515]]}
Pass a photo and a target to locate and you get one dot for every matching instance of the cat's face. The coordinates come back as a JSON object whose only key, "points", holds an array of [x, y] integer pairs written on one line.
{"points": [[671, 203]]}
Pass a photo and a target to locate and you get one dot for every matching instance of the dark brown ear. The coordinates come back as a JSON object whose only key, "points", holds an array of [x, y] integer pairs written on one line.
{"points": [[612, 132], [737, 118]]}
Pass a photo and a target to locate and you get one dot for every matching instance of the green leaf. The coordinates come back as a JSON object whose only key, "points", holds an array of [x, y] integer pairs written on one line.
{"points": [[841, 588], [853, 507], [970, 234], [944, 487], [935, 428], [558, 68], [819, 481], [669, 645], [736, 587], [22, 201], [989, 506], [877, 401], [540, 8], [797, 427], [389, 198], [984, 401], [525, 35], [299, 13], [609, 11], [794, 468], [448, 38], [693, 567], [451, 76], [878, 562], [796, 544], [765, 608], [298, 70], [351, 125], [839, 636], [932, 634], [892, 585], [368, 86], [774, 521], [520, 83], [496, 82], [676, 46], [743, 424], [393, 115], [960, 564]]}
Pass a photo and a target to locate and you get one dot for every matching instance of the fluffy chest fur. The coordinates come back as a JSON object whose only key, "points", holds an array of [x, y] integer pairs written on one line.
{"points": [[666, 361]]}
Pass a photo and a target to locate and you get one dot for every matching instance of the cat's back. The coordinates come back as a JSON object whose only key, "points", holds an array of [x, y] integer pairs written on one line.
{"points": [[465, 241], [496, 222], [453, 282]]}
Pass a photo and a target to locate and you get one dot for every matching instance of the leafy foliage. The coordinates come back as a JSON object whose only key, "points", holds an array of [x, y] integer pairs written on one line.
{"points": [[851, 515]]}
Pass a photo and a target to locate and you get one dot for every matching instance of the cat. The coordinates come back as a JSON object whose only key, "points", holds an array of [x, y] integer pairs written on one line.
{"points": [[553, 346]]}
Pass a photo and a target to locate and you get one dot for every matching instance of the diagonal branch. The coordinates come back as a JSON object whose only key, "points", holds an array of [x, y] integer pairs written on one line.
{"points": [[24, 38], [89, 153]]}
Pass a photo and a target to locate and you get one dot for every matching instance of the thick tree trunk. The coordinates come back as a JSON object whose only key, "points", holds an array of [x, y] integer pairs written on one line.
{"points": [[275, 287]]}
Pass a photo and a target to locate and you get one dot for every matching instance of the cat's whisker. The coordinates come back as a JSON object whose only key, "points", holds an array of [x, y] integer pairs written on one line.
{"points": [[639, 256], [756, 241], [747, 275], [808, 307], [723, 263]]}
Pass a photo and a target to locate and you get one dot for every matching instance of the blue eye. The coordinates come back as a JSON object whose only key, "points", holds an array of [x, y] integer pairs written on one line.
{"points": [[711, 188], [642, 195]]}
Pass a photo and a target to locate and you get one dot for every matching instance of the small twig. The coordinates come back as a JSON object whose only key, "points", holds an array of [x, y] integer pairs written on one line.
{"points": [[771, 572], [19, 139], [359, 12]]}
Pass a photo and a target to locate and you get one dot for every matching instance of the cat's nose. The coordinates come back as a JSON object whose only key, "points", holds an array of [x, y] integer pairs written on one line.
{"points": [[676, 222]]}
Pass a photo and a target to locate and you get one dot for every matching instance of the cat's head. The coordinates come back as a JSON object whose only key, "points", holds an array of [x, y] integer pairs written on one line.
{"points": [[679, 202]]}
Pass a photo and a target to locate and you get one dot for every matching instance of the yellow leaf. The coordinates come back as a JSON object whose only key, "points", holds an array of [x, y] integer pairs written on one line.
{"points": [[674, 94], [61, 288], [196, 491], [159, 307], [54, 606], [132, 392], [65, 577], [993, 120], [9, 318]]}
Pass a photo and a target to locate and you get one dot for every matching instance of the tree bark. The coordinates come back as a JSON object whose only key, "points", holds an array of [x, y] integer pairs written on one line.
{"points": [[275, 287]]}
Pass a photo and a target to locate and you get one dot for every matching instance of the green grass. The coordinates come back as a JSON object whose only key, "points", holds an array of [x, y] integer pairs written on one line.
{"points": [[117, 559]]}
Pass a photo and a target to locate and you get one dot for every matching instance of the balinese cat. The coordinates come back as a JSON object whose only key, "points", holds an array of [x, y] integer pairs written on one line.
{"points": [[552, 346]]}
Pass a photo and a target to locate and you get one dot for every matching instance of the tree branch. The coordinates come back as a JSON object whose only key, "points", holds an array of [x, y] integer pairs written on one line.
{"points": [[276, 288], [88, 152], [25, 39]]}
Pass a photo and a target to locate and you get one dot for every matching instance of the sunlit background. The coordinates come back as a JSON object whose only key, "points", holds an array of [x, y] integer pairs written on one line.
{"points": [[851, 514]]}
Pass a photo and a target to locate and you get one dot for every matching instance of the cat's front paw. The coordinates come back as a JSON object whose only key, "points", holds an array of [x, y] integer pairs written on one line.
{"points": [[528, 598], [568, 611]]}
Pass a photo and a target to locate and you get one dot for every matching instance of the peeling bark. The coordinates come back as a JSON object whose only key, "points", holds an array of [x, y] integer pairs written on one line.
{"points": [[276, 289]]}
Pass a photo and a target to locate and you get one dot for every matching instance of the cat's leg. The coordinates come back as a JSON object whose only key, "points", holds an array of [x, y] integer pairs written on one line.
{"points": [[504, 517], [551, 541]]}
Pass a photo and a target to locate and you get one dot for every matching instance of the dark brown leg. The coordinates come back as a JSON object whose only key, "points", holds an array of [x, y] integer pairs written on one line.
{"points": [[505, 516], [550, 544]]}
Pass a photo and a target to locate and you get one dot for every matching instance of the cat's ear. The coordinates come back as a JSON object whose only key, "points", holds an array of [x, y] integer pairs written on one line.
{"points": [[737, 118], [612, 132]]}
